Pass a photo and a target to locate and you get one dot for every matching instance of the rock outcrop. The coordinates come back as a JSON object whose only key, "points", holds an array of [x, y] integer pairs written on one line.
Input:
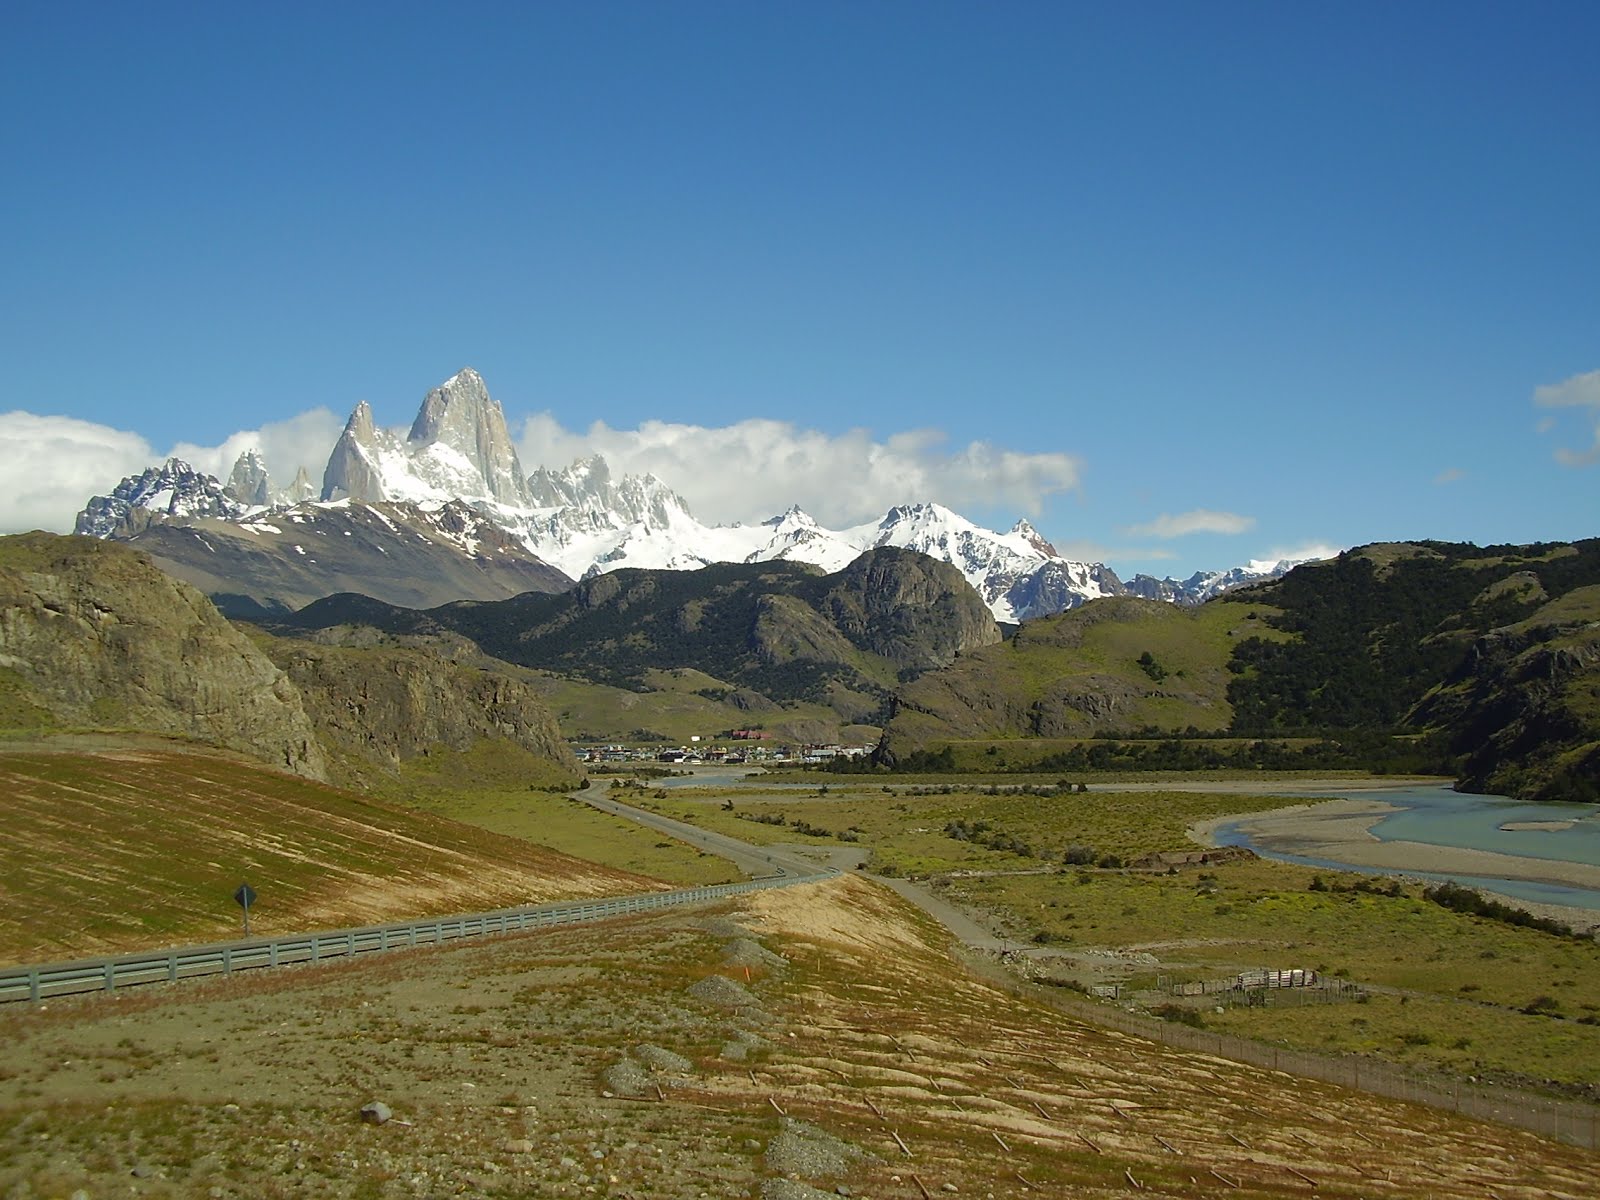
{"points": [[382, 705], [174, 489], [100, 637]]}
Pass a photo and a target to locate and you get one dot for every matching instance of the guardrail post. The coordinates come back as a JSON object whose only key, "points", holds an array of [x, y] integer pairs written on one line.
{"points": [[172, 968], [315, 948], [33, 986], [227, 960], [111, 978]]}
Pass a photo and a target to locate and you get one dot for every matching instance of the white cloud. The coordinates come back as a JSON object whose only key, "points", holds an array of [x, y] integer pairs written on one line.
{"points": [[285, 446], [1449, 475], [1582, 392], [755, 468], [1200, 520], [52, 465]]}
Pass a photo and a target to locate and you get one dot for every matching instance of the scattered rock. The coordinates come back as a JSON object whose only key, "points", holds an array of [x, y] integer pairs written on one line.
{"points": [[519, 1146], [790, 1189], [375, 1112], [739, 1047]]}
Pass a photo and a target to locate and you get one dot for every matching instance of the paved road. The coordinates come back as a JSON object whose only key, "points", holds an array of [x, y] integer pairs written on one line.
{"points": [[756, 861], [803, 860]]}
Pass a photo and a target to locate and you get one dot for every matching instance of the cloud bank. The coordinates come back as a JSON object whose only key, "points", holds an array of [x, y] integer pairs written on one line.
{"points": [[743, 472], [1582, 392], [51, 465], [750, 470]]}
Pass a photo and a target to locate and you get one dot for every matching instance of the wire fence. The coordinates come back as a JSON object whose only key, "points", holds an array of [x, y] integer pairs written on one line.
{"points": [[1567, 1121]]}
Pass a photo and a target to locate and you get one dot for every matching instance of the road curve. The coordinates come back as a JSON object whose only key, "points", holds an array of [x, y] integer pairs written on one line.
{"points": [[755, 861]]}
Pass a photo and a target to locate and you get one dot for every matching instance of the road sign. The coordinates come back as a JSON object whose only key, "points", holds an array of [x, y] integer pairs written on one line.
{"points": [[245, 897]]}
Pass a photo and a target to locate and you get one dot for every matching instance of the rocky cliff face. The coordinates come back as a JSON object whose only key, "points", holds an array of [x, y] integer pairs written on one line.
{"points": [[379, 706], [100, 637], [458, 449], [912, 609], [1523, 714], [459, 420], [354, 469], [174, 489]]}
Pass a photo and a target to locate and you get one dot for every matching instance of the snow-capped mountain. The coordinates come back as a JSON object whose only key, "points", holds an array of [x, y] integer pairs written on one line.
{"points": [[174, 489], [458, 449], [1203, 585], [583, 521]]}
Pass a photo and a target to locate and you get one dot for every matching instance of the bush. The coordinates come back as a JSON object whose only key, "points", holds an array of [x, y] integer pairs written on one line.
{"points": [[1179, 1014]]}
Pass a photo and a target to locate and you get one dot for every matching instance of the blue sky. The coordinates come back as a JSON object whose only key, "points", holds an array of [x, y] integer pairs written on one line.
{"points": [[1187, 285]]}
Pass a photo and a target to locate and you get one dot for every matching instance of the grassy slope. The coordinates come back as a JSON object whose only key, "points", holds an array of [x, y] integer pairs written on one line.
{"points": [[990, 693], [132, 848], [1466, 978], [498, 1052], [675, 709]]}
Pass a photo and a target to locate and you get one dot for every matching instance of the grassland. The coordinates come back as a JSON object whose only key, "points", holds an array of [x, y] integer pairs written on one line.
{"points": [[679, 704], [139, 845], [1444, 989], [850, 1051]]}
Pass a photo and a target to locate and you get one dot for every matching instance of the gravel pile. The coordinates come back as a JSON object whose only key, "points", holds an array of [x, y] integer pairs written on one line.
{"points": [[742, 1044], [747, 952], [723, 992], [658, 1059], [629, 1078], [803, 1150]]}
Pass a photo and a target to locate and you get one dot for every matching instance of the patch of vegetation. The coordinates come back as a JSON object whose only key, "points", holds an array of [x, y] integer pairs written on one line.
{"points": [[1453, 896]]}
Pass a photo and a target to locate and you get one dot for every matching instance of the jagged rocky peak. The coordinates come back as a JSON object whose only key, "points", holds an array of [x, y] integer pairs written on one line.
{"points": [[460, 416], [174, 489], [300, 490], [249, 483], [794, 517], [1025, 530], [587, 486], [354, 470]]}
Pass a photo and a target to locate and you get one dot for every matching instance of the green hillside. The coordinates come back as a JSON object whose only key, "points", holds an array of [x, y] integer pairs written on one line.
{"points": [[1433, 656], [784, 632]]}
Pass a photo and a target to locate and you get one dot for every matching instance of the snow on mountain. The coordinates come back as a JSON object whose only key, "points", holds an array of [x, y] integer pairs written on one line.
{"points": [[458, 456], [458, 449], [1203, 585], [174, 489]]}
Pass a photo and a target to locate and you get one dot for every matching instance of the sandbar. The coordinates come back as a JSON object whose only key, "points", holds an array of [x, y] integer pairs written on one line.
{"points": [[1341, 831]]}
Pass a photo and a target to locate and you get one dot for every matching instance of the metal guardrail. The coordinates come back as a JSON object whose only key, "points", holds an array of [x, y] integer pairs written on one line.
{"points": [[41, 981]]}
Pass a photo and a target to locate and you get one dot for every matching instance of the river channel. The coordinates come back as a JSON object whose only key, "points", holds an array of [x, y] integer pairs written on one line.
{"points": [[1424, 817]]}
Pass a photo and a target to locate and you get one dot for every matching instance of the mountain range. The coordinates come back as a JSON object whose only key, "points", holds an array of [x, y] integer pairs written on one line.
{"points": [[448, 513]]}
